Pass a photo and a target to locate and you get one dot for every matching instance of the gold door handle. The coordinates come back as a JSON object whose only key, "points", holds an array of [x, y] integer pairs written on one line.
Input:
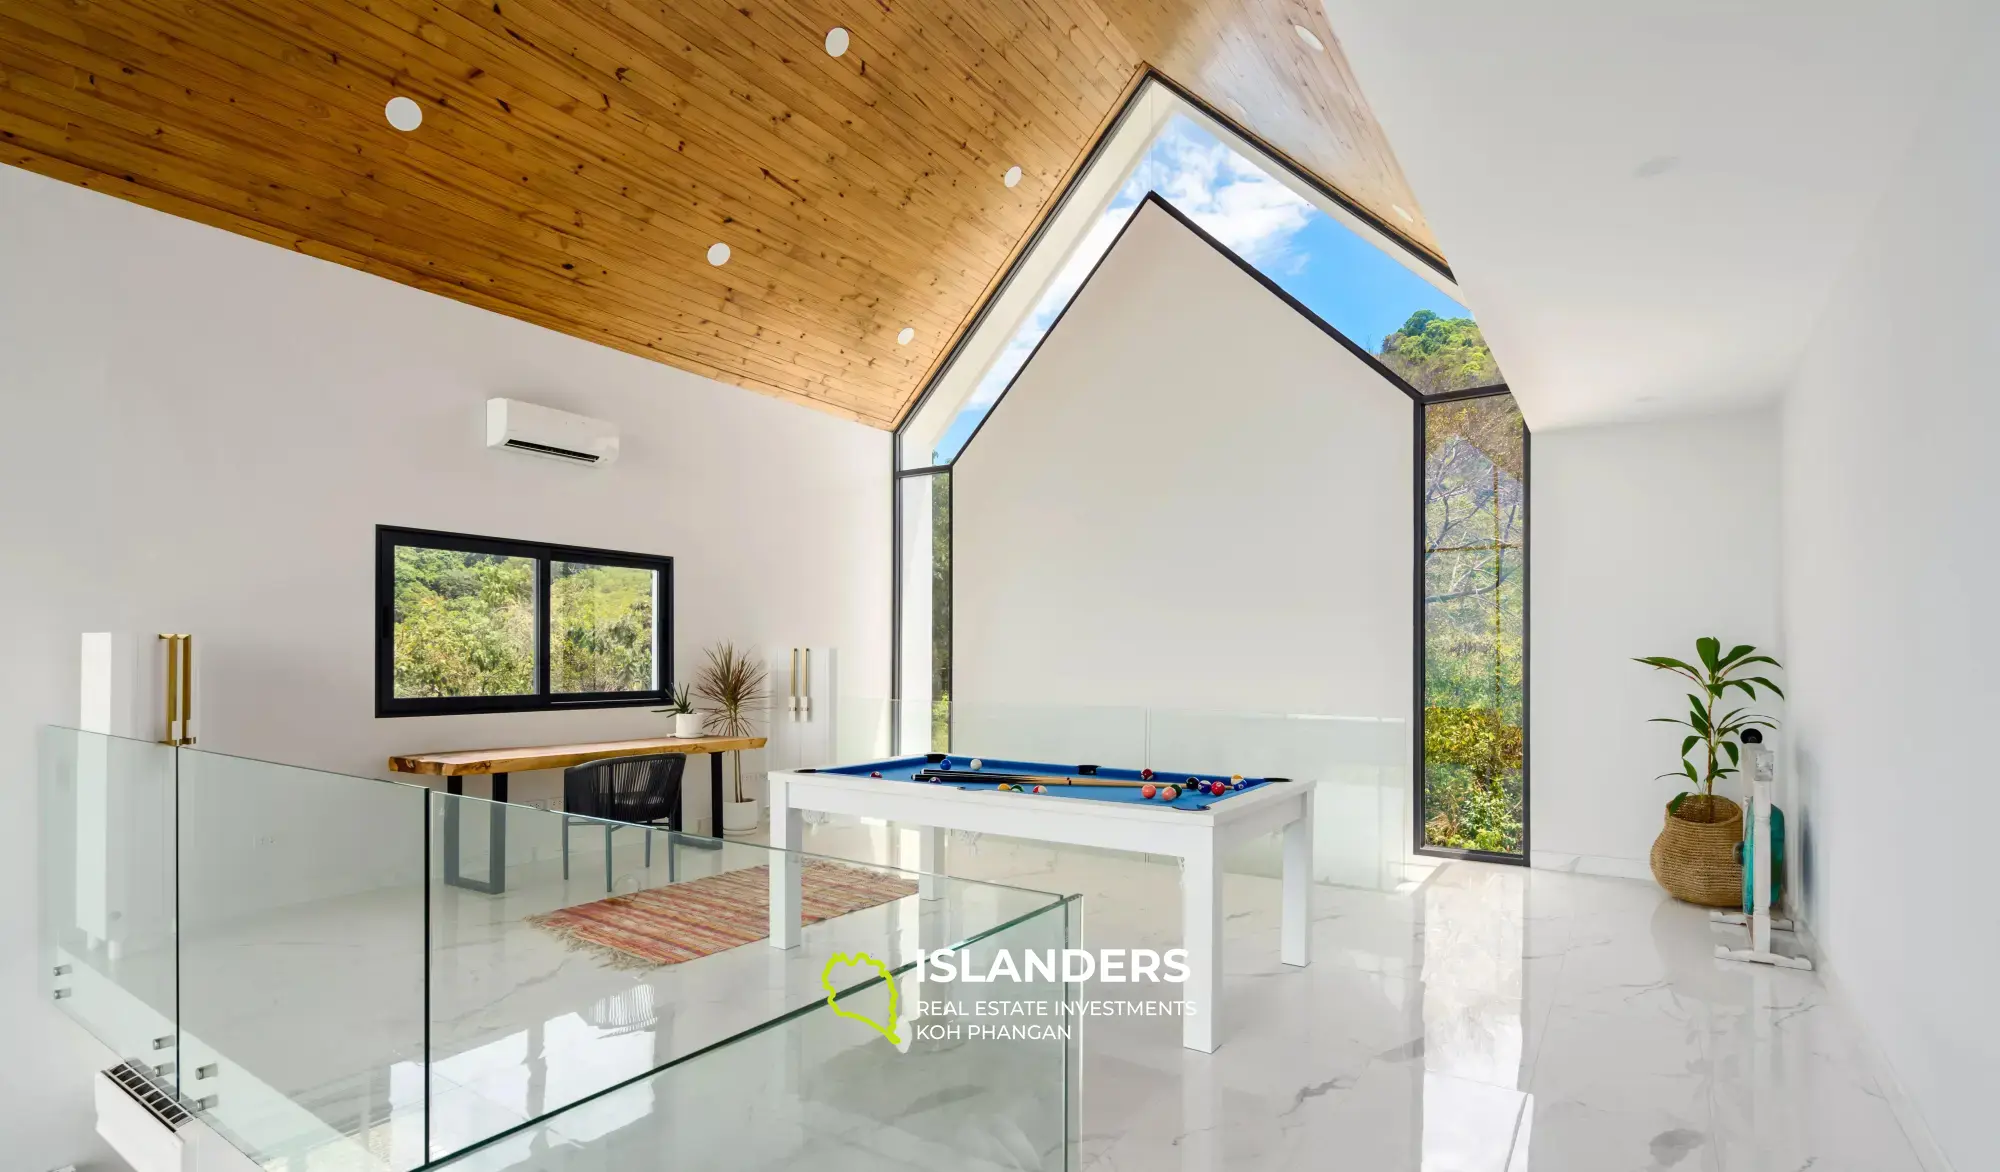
{"points": [[179, 690]]}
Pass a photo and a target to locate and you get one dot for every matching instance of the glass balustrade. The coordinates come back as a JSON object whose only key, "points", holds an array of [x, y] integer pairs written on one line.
{"points": [[336, 972]]}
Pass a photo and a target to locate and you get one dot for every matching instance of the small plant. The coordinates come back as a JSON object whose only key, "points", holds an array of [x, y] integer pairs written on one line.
{"points": [[1717, 733], [735, 683], [680, 702]]}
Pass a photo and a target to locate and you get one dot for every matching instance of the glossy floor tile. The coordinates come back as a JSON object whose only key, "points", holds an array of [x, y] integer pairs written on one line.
{"points": [[1473, 1017]]}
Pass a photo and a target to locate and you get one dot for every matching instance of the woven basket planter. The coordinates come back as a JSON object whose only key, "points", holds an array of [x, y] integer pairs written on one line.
{"points": [[1695, 856]]}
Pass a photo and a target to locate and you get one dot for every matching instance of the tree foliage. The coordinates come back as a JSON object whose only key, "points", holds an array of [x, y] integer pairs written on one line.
{"points": [[1436, 354], [465, 625], [1474, 504]]}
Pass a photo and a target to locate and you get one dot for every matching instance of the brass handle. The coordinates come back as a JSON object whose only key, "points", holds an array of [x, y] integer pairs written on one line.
{"points": [[179, 689], [173, 686]]}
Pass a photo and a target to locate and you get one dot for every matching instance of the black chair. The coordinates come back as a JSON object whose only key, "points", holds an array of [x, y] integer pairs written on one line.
{"points": [[641, 791]]}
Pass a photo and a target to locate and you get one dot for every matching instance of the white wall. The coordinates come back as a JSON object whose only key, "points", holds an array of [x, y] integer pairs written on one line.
{"points": [[1192, 498], [1889, 570], [202, 432], [1643, 537]]}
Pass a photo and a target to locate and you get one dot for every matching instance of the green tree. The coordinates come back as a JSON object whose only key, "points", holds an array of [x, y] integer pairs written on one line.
{"points": [[464, 623], [1436, 354], [1473, 511]]}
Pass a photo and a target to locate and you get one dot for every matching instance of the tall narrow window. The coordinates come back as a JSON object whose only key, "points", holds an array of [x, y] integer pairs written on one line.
{"points": [[1473, 497], [924, 716]]}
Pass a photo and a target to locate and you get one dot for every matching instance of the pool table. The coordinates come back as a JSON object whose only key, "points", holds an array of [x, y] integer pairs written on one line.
{"points": [[1084, 805]]}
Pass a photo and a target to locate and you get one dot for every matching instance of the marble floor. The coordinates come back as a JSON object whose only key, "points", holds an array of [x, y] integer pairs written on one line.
{"points": [[1479, 1017], [1469, 1017]]}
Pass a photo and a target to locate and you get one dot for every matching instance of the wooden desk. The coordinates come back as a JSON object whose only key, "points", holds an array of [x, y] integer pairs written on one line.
{"points": [[454, 766]]}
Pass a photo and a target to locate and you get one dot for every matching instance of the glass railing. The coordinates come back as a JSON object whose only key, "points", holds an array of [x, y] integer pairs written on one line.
{"points": [[1362, 811], [336, 972]]}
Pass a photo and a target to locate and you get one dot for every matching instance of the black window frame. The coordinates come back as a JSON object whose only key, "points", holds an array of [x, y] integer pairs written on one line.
{"points": [[544, 554]]}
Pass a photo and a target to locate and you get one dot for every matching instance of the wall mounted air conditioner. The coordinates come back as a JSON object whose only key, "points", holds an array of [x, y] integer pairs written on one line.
{"points": [[545, 431]]}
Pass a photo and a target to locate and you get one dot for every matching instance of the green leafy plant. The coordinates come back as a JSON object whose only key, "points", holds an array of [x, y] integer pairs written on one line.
{"points": [[680, 702], [734, 682], [1715, 732]]}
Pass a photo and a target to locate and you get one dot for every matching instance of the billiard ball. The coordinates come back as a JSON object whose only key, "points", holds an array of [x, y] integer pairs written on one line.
{"points": [[1170, 793], [945, 764], [978, 764], [876, 773], [1005, 788], [1217, 789], [1236, 777], [1148, 790], [1239, 785], [1146, 775], [1041, 789]]}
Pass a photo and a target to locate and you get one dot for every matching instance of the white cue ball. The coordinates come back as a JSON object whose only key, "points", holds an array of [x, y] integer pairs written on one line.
{"points": [[978, 764]]}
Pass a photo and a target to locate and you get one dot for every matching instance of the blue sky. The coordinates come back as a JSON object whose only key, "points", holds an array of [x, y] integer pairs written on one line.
{"points": [[1362, 292]]}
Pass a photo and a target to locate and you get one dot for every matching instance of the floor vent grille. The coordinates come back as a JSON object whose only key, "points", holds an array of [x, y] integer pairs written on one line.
{"points": [[136, 1082]]}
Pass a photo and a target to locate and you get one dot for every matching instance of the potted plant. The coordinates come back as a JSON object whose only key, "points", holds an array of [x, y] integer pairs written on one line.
{"points": [[687, 722], [1694, 857], [733, 683]]}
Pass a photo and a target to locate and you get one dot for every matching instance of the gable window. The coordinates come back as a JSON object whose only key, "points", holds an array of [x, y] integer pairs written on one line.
{"points": [[482, 624]]}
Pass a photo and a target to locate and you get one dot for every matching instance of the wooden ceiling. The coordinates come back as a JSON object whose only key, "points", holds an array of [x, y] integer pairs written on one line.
{"points": [[577, 158]]}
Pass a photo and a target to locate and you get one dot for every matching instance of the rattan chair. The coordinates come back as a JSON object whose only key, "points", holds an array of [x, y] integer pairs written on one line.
{"points": [[640, 791]]}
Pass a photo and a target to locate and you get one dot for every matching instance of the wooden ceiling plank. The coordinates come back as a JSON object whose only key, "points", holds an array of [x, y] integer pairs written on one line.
{"points": [[89, 100], [898, 88], [604, 80], [725, 157], [573, 131], [948, 183], [885, 333], [580, 155], [14, 153], [104, 147]]}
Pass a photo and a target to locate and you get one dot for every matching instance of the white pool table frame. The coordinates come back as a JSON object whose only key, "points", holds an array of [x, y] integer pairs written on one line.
{"points": [[1198, 838]]}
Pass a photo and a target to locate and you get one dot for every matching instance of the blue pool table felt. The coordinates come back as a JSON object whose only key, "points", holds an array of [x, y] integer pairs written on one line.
{"points": [[906, 769]]}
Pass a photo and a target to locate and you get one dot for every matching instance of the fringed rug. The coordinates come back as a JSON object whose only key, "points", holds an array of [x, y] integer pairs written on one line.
{"points": [[684, 921]]}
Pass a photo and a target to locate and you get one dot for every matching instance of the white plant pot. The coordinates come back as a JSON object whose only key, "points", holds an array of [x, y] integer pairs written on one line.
{"points": [[687, 724], [740, 816]]}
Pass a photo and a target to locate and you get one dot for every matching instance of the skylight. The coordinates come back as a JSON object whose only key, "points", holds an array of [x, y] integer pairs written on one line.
{"points": [[1354, 283]]}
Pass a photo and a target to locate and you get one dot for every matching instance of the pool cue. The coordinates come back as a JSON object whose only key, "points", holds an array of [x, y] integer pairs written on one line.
{"points": [[979, 777]]}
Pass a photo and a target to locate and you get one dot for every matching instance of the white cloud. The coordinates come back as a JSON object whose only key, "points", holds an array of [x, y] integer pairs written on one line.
{"points": [[1232, 199]]}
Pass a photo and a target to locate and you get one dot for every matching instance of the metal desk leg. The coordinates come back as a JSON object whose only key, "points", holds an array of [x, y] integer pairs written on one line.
{"points": [[496, 856], [713, 843], [715, 791]]}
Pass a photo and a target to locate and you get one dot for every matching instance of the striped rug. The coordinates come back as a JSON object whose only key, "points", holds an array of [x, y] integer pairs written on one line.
{"points": [[684, 921]]}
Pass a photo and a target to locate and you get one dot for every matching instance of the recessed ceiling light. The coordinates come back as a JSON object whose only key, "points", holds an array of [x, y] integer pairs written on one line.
{"points": [[1403, 212], [404, 114], [836, 41], [905, 336], [1012, 178], [718, 254], [1306, 35]]}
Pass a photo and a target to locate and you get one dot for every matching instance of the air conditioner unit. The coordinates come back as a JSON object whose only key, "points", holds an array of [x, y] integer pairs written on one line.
{"points": [[545, 431]]}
